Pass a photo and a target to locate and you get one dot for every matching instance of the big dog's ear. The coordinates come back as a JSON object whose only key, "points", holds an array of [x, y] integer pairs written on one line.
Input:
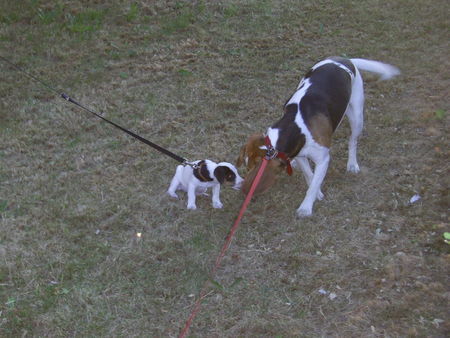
{"points": [[256, 150], [252, 151]]}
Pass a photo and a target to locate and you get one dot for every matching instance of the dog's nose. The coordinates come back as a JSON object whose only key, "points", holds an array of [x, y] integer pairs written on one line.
{"points": [[238, 183]]}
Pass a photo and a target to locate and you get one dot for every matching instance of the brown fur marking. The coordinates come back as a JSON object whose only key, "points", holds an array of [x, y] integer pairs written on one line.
{"points": [[321, 129]]}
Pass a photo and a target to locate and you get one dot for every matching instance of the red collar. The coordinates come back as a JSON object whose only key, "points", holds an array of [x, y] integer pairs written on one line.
{"points": [[272, 153]]}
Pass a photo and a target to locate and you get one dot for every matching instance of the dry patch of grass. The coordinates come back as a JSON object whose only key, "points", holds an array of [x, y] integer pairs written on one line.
{"points": [[199, 77]]}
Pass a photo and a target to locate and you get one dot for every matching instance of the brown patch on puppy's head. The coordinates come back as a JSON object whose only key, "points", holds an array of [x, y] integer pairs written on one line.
{"points": [[224, 174], [251, 153], [267, 179]]}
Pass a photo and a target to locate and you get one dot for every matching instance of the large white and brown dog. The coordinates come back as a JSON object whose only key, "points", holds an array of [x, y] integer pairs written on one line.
{"points": [[198, 176], [330, 89]]}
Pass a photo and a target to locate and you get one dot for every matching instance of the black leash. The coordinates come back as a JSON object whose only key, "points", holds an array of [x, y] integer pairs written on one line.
{"points": [[71, 100]]}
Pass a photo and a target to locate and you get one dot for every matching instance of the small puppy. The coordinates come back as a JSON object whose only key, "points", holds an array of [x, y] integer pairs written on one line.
{"points": [[196, 177]]}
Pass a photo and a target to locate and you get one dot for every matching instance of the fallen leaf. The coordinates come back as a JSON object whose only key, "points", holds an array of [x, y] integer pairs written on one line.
{"points": [[414, 199]]}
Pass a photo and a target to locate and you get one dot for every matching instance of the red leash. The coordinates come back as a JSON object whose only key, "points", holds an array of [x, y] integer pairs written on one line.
{"points": [[244, 206]]}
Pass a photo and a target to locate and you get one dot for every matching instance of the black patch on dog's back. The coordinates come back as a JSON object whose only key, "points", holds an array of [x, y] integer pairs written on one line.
{"points": [[328, 94], [344, 61], [291, 109]]}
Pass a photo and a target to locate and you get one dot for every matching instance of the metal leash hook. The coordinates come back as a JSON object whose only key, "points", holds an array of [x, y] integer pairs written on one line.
{"points": [[271, 152], [66, 97], [190, 164]]}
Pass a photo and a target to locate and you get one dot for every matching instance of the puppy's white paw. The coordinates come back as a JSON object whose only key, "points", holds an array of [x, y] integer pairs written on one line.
{"points": [[353, 168], [217, 205], [192, 207]]}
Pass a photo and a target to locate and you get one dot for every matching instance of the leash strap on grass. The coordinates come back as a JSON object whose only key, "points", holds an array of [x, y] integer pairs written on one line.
{"points": [[69, 99], [129, 132], [235, 226]]}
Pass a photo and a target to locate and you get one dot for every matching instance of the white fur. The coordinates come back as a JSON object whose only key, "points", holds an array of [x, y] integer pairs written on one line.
{"points": [[385, 70], [301, 90], [273, 134], [340, 65], [320, 154], [184, 179]]}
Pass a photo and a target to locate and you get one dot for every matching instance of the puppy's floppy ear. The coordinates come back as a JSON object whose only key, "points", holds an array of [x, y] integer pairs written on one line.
{"points": [[241, 157], [221, 173]]}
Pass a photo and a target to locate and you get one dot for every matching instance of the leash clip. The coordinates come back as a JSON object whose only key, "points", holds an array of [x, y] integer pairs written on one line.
{"points": [[191, 164], [271, 153]]}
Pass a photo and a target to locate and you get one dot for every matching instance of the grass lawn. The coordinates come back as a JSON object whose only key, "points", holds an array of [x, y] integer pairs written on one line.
{"points": [[199, 77]]}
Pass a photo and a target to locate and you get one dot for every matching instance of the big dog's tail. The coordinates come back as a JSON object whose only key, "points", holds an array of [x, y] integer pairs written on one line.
{"points": [[385, 70]]}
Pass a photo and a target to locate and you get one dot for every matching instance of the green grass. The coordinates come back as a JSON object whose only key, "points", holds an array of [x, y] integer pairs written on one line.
{"points": [[85, 21], [198, 78]]}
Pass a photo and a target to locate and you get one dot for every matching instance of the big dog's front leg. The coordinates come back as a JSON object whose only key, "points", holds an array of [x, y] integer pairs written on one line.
{"points": [[321, 161], [303, 163]]}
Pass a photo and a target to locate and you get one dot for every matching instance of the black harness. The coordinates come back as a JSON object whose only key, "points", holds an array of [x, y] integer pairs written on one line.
{"points": [[201, 172]]}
